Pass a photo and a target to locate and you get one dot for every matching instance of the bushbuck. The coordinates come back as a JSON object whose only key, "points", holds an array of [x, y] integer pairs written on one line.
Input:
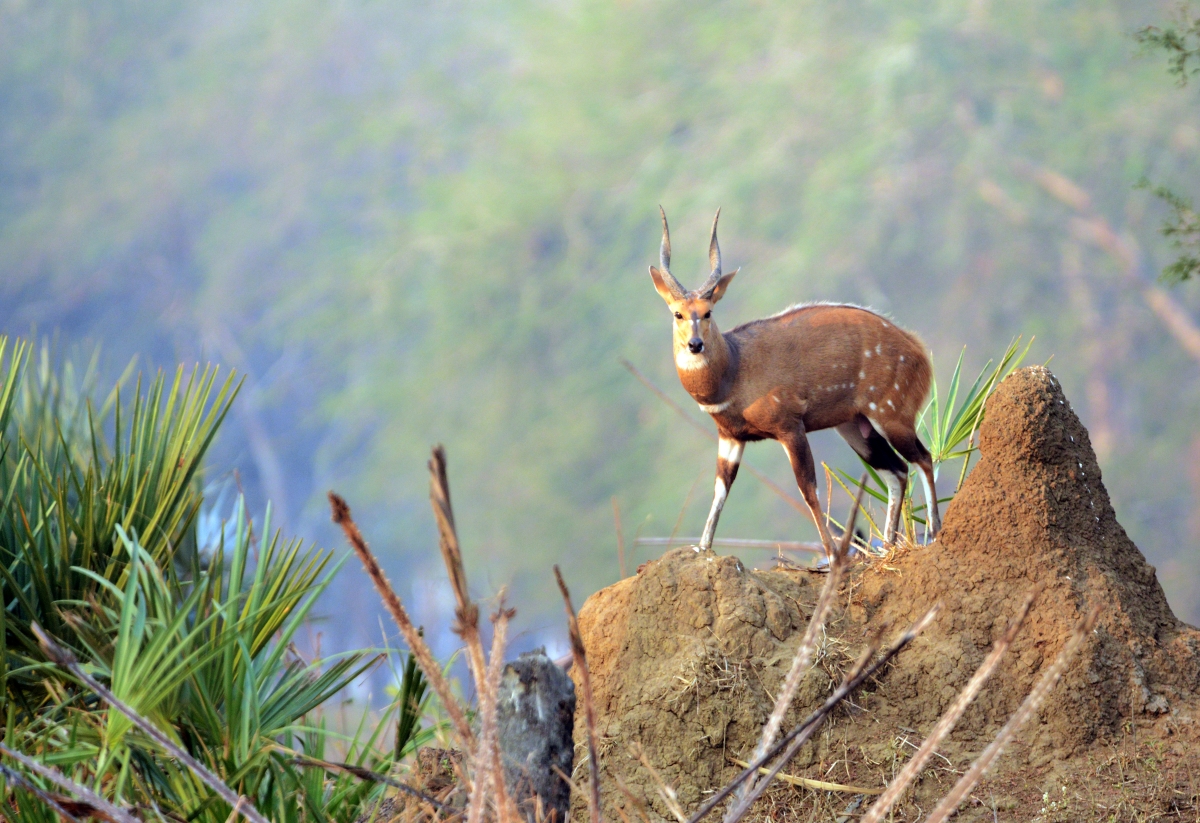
{"points": [[812, 366]]}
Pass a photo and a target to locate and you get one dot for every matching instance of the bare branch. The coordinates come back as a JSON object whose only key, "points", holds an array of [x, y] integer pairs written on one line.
{"points": [[664, 789], [913, 767], [808, 642], [1047, 682], [740, 809], [855, 678], [365, 774], [808, 783], [467, 627], [589, 706], [416, 643], [66, 659], [54, 801]]}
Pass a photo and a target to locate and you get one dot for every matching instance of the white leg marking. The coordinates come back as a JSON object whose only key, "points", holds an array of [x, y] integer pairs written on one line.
{"points": [[730, 450], [710, 526], [930, 502], [895, 497]]}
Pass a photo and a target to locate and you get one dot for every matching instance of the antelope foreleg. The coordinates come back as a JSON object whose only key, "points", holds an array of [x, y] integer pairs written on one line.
{"points": [[800, 455], [729, 457]]}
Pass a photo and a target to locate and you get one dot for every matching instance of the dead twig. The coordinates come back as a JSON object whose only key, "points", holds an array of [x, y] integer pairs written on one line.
{"points": [[579, 657], [638, 805], [664, 789], [365, 774], [740, 809], [93, 804], [1034, 699], [855, 678], [505, 809], [466, 626], [62, 657], [808, 783], [944, 725], [416, 643], [808, 642], [57, 802]]}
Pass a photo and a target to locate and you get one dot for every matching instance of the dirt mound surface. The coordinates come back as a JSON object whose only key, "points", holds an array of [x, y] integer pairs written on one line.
{"points": [[687, 656]]}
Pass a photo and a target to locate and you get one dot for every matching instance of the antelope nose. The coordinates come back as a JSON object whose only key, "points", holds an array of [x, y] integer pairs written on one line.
{"points": [[695, 345]]}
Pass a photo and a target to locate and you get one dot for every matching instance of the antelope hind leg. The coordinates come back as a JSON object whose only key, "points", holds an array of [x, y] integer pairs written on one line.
{"points": [[874, 449]]}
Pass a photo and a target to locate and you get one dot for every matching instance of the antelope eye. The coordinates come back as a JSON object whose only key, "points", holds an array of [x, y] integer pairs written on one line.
{"points": [[707, 315], [678, 316]]}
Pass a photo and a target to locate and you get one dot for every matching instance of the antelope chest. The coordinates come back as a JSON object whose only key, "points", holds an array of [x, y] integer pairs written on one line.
{"points": [[775, 411]]}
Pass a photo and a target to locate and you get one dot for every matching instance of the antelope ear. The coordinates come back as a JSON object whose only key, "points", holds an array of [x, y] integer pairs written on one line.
{"points": [[660, 285], [718, 291]]}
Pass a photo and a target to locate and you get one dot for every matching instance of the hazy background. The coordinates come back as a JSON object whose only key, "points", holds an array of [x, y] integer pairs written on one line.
{"points": [[415, 222]]}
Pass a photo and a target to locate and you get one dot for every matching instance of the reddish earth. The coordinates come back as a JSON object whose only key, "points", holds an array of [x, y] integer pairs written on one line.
{"points": [[686, 656]]}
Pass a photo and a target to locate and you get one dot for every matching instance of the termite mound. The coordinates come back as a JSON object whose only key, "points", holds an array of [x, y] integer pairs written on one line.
{"points": [[686, 656]]}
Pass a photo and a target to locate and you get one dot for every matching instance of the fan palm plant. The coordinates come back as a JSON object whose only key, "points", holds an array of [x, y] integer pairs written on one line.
{"points": [[99, 507]]}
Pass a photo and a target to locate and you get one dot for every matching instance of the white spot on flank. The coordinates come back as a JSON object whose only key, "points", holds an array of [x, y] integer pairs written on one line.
{"points": [[879, 348], [895, 385], [867, 353], [871, 406], [901, 358], [861, 375], [890, 403], [871, 389], [776, 399], [885, 325], [716, 409]]}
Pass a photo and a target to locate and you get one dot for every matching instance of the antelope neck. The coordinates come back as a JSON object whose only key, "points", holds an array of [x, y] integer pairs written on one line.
{"points": [[712, 382]]}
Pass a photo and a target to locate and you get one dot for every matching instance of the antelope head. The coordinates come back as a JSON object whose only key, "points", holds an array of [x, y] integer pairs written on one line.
{"points": [[695, 333]]}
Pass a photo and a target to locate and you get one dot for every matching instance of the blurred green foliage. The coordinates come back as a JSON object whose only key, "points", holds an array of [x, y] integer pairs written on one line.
{"points": [[1181, 42], [100, 547], [422, 222]]}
